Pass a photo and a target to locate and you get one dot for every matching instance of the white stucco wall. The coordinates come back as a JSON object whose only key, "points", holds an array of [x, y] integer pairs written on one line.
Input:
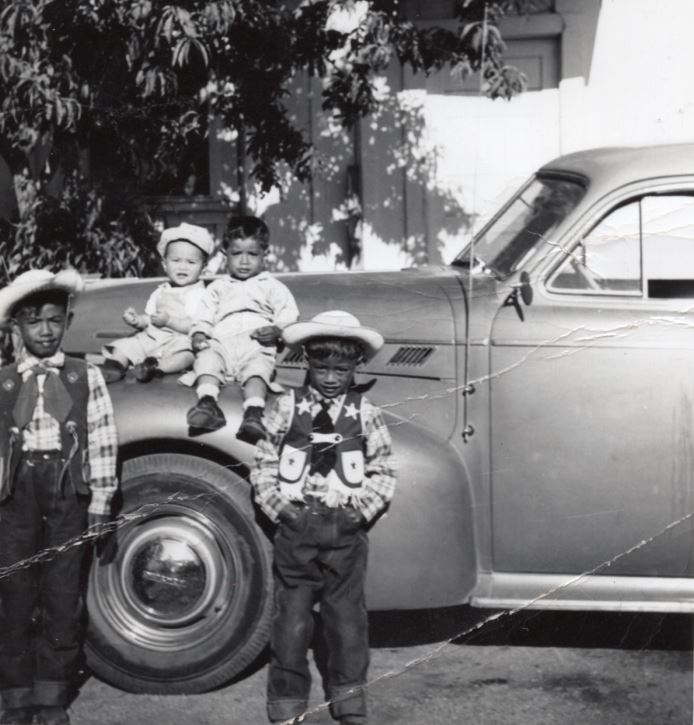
{"points": [[625, 79], [641, 85]]}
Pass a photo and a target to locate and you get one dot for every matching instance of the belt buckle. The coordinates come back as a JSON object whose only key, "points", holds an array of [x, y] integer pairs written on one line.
{"points": [[315, 506]]}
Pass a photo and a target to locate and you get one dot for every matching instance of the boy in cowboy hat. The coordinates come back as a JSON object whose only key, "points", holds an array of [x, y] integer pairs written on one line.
{"points": [[161, 344], [324, 474], [58, 446]]}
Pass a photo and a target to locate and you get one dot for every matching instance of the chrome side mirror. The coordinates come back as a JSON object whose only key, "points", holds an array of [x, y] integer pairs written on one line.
{"points": [[523, 290]]}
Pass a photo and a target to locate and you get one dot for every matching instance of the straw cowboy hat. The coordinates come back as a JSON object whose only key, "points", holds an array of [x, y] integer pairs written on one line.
{"points": [[334, 323], [37, 280], [184, 232]]}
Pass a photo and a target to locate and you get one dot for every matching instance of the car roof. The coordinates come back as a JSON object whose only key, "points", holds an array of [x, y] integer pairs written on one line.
{"points": [[615, 166]]}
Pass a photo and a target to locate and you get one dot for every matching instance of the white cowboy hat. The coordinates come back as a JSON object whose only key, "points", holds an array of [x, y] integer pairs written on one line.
{"points": [[334, 323], [197, 236], [37, 280]]}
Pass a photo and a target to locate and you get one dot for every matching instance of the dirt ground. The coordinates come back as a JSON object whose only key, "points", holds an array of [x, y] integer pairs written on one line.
{"points": [[539, 670]]}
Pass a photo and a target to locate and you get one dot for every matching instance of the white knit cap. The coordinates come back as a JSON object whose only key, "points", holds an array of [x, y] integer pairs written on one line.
{"points": [[198, 236]]}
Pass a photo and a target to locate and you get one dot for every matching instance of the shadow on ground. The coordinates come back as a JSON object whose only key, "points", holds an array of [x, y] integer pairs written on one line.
{"points": [[465, 625]]}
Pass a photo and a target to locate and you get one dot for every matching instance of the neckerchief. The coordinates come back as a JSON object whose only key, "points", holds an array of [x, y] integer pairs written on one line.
{"points": [[57, 402], [323, 454]]}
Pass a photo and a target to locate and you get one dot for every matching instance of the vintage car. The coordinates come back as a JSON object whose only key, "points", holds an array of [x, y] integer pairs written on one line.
{"points": [[540, 394]]}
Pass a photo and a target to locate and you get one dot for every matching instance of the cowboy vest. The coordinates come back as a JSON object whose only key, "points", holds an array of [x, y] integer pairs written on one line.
{"points": [[295, 449], [73, 430]]}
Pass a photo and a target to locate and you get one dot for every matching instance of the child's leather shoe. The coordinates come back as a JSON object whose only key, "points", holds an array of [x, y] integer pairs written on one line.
{"points": [[206, 415], [145, 370], [112, 370], [252, 428]]}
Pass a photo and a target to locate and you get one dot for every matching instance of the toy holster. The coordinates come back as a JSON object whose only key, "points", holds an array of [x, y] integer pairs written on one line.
{"points": [[9, 464]]}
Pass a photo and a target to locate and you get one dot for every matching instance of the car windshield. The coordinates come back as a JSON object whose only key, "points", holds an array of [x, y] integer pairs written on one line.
{"points": [[511, 238]]}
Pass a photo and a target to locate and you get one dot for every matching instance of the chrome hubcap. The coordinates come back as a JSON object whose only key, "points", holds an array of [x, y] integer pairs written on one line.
{"points": [[170, 572], [171, 583]]}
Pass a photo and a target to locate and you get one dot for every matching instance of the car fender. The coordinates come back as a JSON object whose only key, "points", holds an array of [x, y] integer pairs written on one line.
{"points": [[164, 416], [422, 551]]}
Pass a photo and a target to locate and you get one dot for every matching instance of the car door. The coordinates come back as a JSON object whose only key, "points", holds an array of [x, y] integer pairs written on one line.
{"points": [[592, 400]]}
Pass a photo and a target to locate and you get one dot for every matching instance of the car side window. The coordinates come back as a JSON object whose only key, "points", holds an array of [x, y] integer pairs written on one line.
{"points": [[607, 259], [643, 247], [668, 245]]}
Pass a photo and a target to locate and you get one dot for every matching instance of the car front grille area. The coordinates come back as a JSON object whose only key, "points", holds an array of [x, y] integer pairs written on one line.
{"points": [[411, 355], [404, 356]]}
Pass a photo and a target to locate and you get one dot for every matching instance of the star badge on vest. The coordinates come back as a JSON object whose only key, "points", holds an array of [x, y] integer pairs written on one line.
{"points": [[303, 406], [351, 411]]}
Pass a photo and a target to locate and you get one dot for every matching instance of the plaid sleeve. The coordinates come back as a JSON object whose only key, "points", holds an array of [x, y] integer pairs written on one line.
{"points": [[265, 472], [380, 474], [103, 443]]}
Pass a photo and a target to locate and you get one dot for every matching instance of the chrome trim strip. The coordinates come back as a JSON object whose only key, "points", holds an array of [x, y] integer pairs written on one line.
{"points": [[590, 592]]}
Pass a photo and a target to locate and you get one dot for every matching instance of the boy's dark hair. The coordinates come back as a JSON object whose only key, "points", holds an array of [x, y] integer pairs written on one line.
{"points": [[242, 227], [324, 348], [44, 297]]}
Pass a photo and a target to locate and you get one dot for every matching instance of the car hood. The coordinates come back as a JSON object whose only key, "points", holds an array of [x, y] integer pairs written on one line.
{"points": [[412, 305]]}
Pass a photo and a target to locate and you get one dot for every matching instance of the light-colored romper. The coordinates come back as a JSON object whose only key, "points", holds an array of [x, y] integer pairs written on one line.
{"points": [[230, 310], [161, 342]]}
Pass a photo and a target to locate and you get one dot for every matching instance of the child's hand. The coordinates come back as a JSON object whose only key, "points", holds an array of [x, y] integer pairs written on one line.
{"points": [[355, 519], [159, 319], [131, 317], [199, 341], [290, 515], [98, 526], [267, 335]]}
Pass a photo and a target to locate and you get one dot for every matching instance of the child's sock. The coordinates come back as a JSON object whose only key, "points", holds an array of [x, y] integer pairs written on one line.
{"points": [[254, 402], [207, 389]]}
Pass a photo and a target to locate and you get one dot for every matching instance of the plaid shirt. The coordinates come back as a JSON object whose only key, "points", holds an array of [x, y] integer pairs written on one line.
{"points": [[379, 469], [42, 433]]}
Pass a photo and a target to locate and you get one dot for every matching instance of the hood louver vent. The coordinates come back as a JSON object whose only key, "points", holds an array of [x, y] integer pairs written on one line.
{"points": [[411, 355], [293, 357]]}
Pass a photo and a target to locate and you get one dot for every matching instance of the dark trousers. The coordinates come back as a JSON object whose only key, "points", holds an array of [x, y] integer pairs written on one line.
{"points": [[322, 558], [39, 654]]}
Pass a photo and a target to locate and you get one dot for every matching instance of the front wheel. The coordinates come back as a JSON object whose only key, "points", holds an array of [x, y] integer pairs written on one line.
{"points": [[180, 600]]}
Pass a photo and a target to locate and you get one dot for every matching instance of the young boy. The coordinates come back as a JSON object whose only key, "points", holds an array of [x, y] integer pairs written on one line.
{"points": [[324, 473], [58, 447], [162, 344], [235, 336]]}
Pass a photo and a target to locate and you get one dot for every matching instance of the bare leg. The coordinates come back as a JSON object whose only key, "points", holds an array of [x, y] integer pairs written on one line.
{"points": [[114, 366], [119, 358], [252, 427], [255, 387], [176, 363]]}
